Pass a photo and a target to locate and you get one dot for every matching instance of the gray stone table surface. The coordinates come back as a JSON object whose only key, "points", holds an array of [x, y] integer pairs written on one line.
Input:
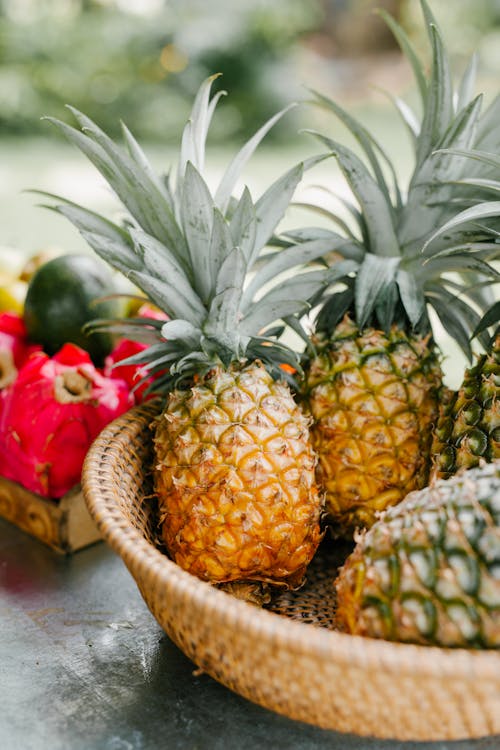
{"points": [[84, 666]]}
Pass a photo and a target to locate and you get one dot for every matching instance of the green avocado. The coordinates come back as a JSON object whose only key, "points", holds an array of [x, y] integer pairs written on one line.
{"points": [[62, 297]]}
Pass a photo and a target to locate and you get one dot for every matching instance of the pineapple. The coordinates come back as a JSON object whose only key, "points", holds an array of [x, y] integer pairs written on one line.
{"points": [[427, 571], [234, 466], [374, 400], [468, 428], [373, 379]]}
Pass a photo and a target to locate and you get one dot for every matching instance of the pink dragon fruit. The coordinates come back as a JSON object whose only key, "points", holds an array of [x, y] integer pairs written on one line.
{"points": [[50, 415], [132, 374], [14, 347]]}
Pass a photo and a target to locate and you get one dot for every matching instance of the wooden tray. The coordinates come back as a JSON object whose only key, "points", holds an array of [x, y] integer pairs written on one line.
{"points": [[289, 658], [65, 524]]}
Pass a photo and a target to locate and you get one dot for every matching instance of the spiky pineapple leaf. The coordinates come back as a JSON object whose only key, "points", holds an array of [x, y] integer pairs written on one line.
{"points": [[196, 210], [165, 295], [479, 182], [478, 296], [458, 317], [373, 280], [322, 211], [90, 220], [483, 156], [225, 305], [163, 266], [181, 330], [357, 216], [149, 193], [302, 287], [271, 206], [195, 131], [289, 258], [459, 261], [139, 157], [438, 103], [407, 115], [488, 127], [236, 166], [147, 356], [103, 236], [132, 328], [430, 190], [377, 212], [408, 50], [220, 246], [334, 309], [385, 306], [308, 234], [367, 142], [142, 199], [490, 318], [243, 224], [467, 84], [200, 117], [442, 165], [266, 312], [411, 295], [460, 133], [486, 210], [112, 251], [349, 205]]}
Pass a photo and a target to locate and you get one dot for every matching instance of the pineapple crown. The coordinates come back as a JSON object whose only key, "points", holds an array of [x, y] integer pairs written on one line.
{"points": [[433, 244], [191, 250]]}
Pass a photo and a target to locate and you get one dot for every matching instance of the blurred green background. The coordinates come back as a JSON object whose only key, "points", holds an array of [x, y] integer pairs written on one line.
{"points": [[141, 61]]}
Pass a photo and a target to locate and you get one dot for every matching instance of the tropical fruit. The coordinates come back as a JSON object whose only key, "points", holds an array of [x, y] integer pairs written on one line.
{"points": [[63, 296], [50, 415], [374, 398], [372, 368], [468, 429], [234, 467], [427, 571], [12, 293], [14, 347]]}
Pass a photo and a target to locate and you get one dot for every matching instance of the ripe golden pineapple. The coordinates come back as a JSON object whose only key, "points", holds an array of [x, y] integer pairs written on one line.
{"points": [[236, 474], [234, 467], [427, 571], [468, 429], [372, 369], [373, 397]]}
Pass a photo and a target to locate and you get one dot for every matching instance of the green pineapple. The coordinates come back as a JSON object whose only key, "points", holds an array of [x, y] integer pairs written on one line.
{"points": [[427, 572], [468, 429], [234, 466], [373, 381]]}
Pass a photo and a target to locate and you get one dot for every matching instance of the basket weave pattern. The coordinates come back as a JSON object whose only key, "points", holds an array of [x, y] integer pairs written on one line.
{"points": [[290, 660]]}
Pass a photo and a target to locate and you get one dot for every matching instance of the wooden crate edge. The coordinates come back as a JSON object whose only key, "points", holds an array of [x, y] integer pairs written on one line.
{"points": [[65, 525]]}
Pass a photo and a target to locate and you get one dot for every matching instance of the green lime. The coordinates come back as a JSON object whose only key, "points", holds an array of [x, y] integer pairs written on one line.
{"points": [[62, 297]]}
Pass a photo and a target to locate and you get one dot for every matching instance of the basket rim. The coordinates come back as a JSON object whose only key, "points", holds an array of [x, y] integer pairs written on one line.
{"points": [[354, 650]]}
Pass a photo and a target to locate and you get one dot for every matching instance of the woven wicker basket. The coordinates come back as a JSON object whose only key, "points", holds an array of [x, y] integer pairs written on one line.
{"points": [[289, 659]]}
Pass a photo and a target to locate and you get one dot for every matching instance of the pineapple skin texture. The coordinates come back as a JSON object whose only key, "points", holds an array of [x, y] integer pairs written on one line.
{"points": [[374, 401], [468, 429], [428, 571], [235, 480]]}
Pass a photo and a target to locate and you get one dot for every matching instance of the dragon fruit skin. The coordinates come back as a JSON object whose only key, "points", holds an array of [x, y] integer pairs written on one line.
{"points": [[51, 414], [14, 347]]}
